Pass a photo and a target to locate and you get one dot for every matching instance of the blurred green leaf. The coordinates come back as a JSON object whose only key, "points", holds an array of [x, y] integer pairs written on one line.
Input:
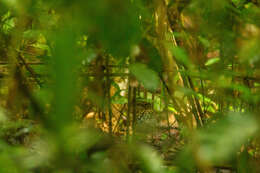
{"points": [[114, 23], [146, 76], [149, 160], [238, 3], [64, 72], [8, 25], [222, 140], [212, 61], [172, 109], [154, 62], [180, 55]]}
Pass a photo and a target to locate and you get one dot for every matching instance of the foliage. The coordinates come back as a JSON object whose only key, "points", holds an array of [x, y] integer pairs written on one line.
{"points": [[129, 86]]}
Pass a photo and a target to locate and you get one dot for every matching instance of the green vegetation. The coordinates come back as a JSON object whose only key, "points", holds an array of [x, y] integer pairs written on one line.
{"points": [[142, 86]]}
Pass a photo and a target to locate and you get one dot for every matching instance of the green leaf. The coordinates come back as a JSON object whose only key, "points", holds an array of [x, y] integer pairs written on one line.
{"points": [[8, 25], [64, 72], [238, 3], [222, 140], [6, 16], [164, 136], [146, 76], [172, 109], [155, 62], [113, 23], [212, 61], [150, 162], [204, 41], [180, 54]]}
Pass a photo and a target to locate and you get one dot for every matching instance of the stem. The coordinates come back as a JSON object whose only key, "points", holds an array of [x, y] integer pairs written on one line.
{"points": [[134, 109], [129, 108], [109, 96]]}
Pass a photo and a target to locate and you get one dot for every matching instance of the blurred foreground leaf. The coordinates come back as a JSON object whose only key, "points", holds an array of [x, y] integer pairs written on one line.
{"points": [[222, 140], [150, 162], [146, 76]]}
